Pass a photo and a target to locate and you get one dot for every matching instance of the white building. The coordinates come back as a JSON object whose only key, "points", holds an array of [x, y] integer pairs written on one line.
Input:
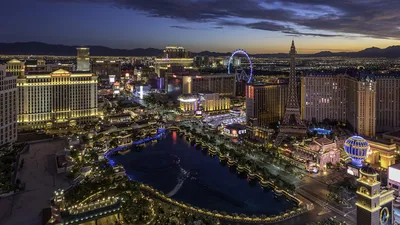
{"points": [[58, 99], [8, 107]]}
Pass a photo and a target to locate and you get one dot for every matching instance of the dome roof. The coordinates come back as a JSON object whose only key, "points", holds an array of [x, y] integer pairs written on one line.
{"points": [[357, 148], [368, 170]]}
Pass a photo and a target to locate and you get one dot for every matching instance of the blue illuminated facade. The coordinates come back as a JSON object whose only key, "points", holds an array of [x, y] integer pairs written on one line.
{"points": [[358, 149]]}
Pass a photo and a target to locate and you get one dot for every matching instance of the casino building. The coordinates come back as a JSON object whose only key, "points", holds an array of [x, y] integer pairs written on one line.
{"points": [[317, 153], [56, 99], [172, 56], [192, 82]]}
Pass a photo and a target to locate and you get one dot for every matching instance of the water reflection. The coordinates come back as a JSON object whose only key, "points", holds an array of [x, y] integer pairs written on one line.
{"points": [[175, 167]]}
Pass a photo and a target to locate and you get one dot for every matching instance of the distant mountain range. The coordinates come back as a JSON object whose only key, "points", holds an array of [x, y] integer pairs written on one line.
{"points": [[38, 48]]}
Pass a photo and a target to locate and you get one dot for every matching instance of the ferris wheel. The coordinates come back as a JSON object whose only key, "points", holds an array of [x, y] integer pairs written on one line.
{"points": [[242, 75]]}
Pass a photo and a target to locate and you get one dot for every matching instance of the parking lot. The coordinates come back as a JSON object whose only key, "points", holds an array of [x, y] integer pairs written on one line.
{"points": [[41, 180]]}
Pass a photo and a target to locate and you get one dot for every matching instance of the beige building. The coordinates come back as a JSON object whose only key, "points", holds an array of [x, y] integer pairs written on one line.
{"points": [[383, 153], [56, 99], [172, 56], [387, 103], [343, 98], [323, 96], [212, 102], [192, 82], [8, 107], [188, 103], [16, 68]]}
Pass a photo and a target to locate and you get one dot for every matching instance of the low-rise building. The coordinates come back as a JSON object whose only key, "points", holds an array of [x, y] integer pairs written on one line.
{"points": [[393, 137], [188, 103], [234, 130], [317, 153], [213, 102], [383, 153]]}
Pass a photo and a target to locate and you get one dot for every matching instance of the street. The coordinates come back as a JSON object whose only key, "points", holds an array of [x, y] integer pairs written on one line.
{"points": [[315, 188]]}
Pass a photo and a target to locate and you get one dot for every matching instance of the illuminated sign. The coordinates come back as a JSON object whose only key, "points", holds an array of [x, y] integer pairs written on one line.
{"points": [[141, 92], [187, 100], [353, 171], [394, 174], [61, 75]]}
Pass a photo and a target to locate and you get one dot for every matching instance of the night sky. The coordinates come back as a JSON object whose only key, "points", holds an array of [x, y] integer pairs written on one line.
{"points": [[216, 25]]}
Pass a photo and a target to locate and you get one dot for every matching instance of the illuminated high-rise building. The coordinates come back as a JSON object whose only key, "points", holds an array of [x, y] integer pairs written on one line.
{"points": [[387, 103], [105, 69], [56, 99], [83, 59], [190, 82], [8, 107], [343, 98], [265, 104], [323, 96], [172, 52], [361, 104], [172, 56]]}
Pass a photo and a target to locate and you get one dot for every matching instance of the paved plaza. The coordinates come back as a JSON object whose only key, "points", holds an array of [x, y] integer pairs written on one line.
{"points": [[40, 178]]}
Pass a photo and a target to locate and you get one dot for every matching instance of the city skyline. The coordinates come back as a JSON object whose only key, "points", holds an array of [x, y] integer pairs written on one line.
{"points": [[221, 26]]}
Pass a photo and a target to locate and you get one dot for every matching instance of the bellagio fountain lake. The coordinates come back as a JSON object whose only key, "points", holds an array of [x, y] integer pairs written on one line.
{"points": [[189, 174]]}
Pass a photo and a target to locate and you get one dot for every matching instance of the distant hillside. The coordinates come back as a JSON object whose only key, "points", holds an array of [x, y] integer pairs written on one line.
{"points": [[38, 48]]}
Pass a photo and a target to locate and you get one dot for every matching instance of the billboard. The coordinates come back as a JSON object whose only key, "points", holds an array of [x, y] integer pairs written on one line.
{"points": [[352, 171], [394, 174]]}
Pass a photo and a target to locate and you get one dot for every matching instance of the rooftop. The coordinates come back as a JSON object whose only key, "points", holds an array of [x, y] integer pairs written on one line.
{"points": [[394, 134], [323, 141], [395, 166], [236, 126], [368, 170], [381, 140]]}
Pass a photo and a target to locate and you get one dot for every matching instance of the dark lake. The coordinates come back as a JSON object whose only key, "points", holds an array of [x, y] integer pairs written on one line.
{"points": [[208, 183]]}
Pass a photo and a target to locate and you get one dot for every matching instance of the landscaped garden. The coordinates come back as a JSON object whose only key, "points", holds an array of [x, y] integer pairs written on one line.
{"points": [[8, 159]]}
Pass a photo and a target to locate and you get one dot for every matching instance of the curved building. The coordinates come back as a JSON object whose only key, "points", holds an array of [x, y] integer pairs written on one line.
{"points": [[358, 149]]}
